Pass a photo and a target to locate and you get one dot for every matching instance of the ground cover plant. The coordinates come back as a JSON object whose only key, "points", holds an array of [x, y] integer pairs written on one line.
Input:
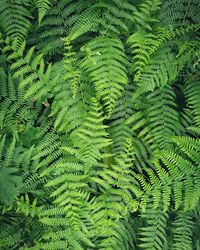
{"points": [[99, 124]]}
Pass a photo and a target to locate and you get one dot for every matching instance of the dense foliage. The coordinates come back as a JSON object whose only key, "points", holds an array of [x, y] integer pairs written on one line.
{"points": [[100, 124]]}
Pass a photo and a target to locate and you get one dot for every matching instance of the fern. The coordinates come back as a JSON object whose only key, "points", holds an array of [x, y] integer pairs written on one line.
{"points": [[43, 7], [91, 137], [31, 69], [182, 232], [153, 235], [158, 73], [99, 123], [145, 15], [8, 240], [69, 116], [184, 13], [113, 207], [162, 124], [15, 19], [72, 70], [57, 24], [8, 175], [143, 44], [191, 91], [72, 215], [105, 64]]}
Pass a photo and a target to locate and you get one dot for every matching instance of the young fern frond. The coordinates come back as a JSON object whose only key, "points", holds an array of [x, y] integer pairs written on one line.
{"points": [[72, 69]]}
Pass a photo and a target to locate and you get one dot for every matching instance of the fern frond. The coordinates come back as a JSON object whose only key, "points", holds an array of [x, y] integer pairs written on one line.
{"points": [[156, 118], [14, 116], [91, 137], [118, 129], [163, 120], [57, 24], [113, 17], [25, 206], [182, 232], [72, 70], [143, 44], [158, 72], [105, 64], [31, 72], [192, 92], [189, 146], [153, 235], [43, 6], [110, 223], [15, 19], [68, 112], [9, 238], [184, 12], [9, 174], [145, 15]]}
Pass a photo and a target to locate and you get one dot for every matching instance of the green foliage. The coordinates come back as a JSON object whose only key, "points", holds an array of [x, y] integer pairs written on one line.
{"points": [[182, 232], [105, 63], [100, 125], [15, 19], [184, 12], [8, 176], [8, 179], [153, 235], [43, 7]]}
